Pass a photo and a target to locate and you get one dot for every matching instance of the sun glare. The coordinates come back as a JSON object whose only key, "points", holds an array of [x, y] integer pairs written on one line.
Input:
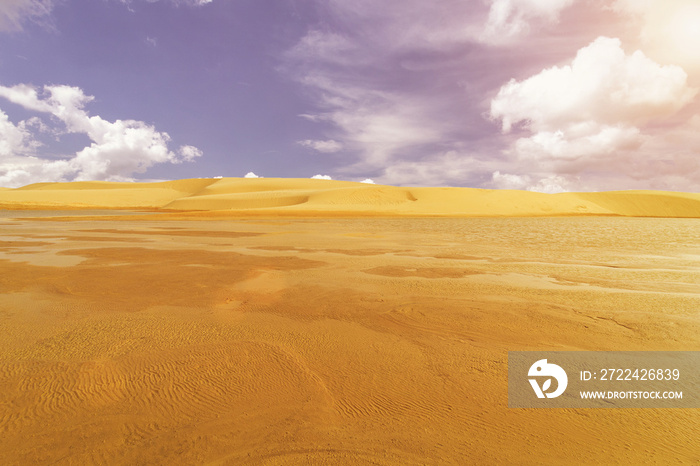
{"points": [[675, 32], [684, 28]]}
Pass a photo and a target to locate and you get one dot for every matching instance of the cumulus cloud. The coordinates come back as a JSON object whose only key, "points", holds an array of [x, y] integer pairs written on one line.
{"points": [[593, 106], [118, 149], [386, 88], [602, 85], [15, 139], [391, 87], [321, 177], [597, 110], [367, 181], [571, 145], [510, 20], [251, 175], [327, 147], [189, 153]]}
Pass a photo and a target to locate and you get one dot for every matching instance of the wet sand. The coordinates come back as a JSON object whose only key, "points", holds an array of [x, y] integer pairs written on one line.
{"points": [[331, 341]]}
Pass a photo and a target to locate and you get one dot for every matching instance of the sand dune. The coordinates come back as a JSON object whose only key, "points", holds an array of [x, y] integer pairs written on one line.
{"points": [[647, 203], [328, 197], [104, 195]]}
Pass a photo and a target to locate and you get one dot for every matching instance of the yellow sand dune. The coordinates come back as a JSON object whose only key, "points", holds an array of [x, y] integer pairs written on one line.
{"points": [[330, 197], [100, 194], [647, 203]]}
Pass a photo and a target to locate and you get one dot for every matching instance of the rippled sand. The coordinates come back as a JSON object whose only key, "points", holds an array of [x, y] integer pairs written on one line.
{"points": [[331, 341]]}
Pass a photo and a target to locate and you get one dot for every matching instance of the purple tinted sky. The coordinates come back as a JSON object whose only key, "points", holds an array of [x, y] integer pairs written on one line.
{"points": [[546, 95]]}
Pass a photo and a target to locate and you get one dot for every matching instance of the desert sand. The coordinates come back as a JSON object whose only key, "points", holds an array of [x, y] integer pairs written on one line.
{"points": [[318, 322], [304, 197]]}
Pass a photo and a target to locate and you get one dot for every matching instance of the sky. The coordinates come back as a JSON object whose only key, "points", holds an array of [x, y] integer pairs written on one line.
{"points": [[542, 95]]}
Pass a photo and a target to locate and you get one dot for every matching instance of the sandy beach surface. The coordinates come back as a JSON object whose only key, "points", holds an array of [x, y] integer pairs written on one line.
{"points": [[190, 334]]}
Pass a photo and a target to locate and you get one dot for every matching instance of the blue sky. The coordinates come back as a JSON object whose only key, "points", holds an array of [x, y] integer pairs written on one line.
{"points": [[547, 95]]}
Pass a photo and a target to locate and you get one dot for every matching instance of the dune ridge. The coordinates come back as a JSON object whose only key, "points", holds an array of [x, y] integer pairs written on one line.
{"points": [[301, 197]]}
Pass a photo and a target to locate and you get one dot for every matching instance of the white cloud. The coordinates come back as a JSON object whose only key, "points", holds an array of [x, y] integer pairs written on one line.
{"points": [[27, 96], [15, 139], [593, 107], [390, 78], [367, 181], [383, 127], [118, 149], [251, 175], [191, 3], [388, 86], [509, 181], [510, 20], [634, 7], [327, 147], [593, 123], [402, 24], [550, 184], [376, 124], [356, 66], [189, 153], [450, 168], [14, 13], [321, 177], [602, 85], [387, 77], [570, 145]]}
